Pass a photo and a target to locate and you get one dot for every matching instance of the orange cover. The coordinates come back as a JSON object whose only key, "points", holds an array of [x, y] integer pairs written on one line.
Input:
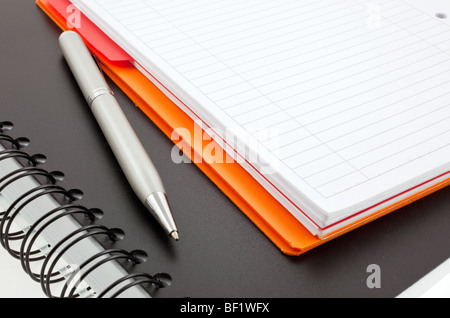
{"points": [[285, 231]]}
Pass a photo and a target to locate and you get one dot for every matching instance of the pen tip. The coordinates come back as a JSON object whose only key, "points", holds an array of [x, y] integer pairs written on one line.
{"points": [[175, 235]]}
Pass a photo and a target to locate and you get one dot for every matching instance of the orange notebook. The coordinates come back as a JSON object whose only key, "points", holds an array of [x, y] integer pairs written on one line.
{"points": [[274, 220]]}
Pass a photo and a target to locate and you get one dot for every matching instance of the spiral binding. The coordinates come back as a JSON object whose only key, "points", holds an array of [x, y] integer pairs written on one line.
{"points": [[74, 281]]}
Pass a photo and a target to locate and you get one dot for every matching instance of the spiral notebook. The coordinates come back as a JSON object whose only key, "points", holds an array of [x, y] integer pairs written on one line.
{"points": [[338, 109], [55, 239]]}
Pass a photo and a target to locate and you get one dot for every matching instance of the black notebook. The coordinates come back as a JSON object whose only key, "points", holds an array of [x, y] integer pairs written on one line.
{"points": [[60, 243]]}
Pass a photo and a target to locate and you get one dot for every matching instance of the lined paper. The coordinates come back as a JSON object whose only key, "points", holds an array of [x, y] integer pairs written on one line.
{"points": [[356, 89]]}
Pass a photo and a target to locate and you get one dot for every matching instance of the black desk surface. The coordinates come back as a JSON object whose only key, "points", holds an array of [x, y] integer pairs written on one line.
{"points": [[221, 253]]}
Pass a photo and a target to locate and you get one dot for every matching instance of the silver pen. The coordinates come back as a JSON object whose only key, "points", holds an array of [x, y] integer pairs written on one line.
{"points": [[128, 150]]}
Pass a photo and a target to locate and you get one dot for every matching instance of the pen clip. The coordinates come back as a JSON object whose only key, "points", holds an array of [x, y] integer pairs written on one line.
{"points": [[97, 62], [100, 91]]}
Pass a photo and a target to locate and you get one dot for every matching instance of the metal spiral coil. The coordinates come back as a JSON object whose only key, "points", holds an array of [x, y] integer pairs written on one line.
{"points": [[29, 252]]}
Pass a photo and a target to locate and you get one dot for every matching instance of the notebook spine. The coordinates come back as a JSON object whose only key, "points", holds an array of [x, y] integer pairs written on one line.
{"points": [[41, 264]]}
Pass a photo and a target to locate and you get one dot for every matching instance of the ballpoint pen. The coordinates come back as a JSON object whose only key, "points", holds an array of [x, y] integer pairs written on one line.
{"points": [[128, 150]]}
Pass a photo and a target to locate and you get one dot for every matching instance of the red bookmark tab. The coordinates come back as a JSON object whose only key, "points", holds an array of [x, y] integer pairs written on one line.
{"points": [[95, 39]]}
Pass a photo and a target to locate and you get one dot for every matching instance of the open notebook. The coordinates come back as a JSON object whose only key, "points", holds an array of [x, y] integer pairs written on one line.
{"points": [[337, 107]]}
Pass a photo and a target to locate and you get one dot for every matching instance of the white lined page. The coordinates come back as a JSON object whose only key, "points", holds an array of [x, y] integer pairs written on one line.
{"points": [[358, 99]]}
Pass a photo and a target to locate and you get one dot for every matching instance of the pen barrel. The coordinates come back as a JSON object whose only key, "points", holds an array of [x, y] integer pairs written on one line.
{"points": [[128, 150], [82, 65]]}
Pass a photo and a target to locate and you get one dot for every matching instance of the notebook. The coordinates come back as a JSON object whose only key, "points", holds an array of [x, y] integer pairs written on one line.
{"points": [[435, 284], [56, 240], [234, 246], [338, 108]]}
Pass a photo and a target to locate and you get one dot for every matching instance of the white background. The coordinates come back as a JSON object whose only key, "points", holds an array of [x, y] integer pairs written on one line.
{"points": [[14, 282]]}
